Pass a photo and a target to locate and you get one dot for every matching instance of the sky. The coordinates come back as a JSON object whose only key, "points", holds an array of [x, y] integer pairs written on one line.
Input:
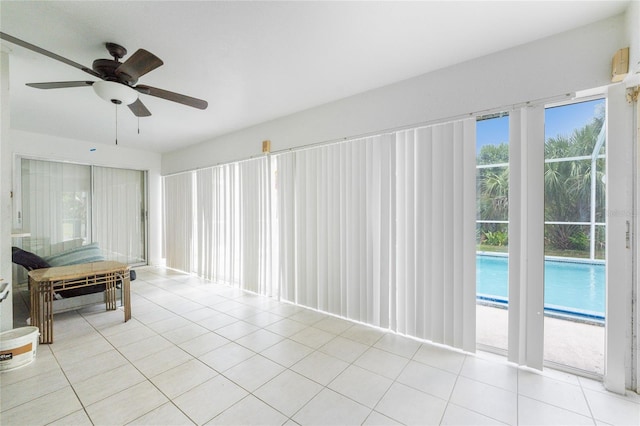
{"points": [[558, 121]]}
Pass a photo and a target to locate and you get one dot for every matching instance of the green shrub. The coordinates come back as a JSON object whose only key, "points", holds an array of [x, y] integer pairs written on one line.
{"points": [[579, 241], [495, 238]]}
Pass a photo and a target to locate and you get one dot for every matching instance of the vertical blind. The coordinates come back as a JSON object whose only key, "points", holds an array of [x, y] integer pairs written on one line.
{"points": [[435, 232], [216, 227], [379, 230], [256, 227], [56, 205], [335, 222], [218, 224], [178, 221], [382, 230], [119, 213]]}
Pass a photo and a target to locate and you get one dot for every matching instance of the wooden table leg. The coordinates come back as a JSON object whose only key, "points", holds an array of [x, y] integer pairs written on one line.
{"points": [[110, 292], [42, 309], [35, 309], [46, 290], [126, 296]]}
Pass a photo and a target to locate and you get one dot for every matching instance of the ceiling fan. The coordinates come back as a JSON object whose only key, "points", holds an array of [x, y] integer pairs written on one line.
{"points": [[118, 79]]}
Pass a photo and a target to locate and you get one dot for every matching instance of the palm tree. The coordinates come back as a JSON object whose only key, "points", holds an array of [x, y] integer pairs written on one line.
{"points": [[567, 185], [493, 191]]}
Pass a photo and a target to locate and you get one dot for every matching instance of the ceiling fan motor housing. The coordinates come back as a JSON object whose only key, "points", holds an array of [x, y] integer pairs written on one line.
{"points": [[107, 70]]}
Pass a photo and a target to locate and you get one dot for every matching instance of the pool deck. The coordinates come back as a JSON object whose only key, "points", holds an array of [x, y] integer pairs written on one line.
{"points": [[575, 344]]}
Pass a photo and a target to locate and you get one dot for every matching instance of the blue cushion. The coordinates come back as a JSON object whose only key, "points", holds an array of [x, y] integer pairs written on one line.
{"points": [[83, 254]]}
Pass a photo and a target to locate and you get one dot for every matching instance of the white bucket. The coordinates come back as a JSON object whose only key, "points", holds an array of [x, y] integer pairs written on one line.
{"points": [[18, 347]]}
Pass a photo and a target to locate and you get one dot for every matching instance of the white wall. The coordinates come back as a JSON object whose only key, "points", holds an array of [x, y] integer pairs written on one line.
{"points": [[572, 61], [633, 34], [40, 146]]}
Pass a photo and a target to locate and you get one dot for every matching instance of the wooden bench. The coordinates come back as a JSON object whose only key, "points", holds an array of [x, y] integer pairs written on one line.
{"points": [[43, 283]]}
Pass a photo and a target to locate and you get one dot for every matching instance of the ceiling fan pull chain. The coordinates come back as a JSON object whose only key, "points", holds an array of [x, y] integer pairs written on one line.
{"points": [[116, 106], [138, 124]]}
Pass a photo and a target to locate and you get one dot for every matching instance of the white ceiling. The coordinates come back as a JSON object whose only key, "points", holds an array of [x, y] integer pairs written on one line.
{"points": [[252, 61]]}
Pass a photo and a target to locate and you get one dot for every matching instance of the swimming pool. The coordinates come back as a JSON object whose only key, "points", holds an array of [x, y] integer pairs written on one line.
{"points": [[571, 288]]}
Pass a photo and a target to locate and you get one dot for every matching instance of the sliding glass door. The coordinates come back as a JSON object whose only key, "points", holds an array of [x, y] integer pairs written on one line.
{"points": [[67, 205], [492, 222], [574, 235]]}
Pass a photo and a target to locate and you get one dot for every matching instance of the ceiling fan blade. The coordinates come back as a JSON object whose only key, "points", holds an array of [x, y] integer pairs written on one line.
{"points": [[171, 96], [41, 51], [139, 64], [60, 84], [139, 110]]}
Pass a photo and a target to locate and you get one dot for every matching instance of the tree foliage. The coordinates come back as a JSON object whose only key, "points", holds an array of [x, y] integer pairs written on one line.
{"points": [[493, 154]]}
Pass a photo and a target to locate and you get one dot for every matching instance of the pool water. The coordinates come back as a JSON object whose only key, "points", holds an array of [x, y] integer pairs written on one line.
{"points": [[569, 287]]}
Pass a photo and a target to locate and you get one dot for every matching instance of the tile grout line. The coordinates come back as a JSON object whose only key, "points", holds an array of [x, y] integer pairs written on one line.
{"points": [[450, 395], [586, 400]]}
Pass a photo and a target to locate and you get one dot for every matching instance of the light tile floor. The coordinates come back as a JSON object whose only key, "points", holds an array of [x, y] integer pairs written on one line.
{"points": [[202, 353]]}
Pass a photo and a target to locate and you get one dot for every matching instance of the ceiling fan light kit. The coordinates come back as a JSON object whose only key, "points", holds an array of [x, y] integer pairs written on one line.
{"points": [[116, 93]]}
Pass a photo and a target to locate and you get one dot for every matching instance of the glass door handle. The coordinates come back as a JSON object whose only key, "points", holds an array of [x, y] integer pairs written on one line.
{"points": [[627, 235]]}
